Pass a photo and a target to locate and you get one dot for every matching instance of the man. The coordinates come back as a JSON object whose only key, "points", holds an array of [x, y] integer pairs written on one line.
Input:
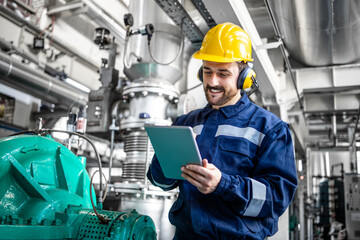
{"points": [[248, 175]]}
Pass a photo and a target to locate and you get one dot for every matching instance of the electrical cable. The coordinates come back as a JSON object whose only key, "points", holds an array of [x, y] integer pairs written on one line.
{"points": [[126, 64], [101, 218], [111, 153], [180, 48], [22, 132], [192, 88]]}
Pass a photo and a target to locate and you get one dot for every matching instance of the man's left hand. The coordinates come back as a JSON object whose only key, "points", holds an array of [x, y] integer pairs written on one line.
{"points": [[206, 177]]}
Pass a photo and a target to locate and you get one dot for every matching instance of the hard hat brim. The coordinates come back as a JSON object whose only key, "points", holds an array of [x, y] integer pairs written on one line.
{"points": [[213, 58]]}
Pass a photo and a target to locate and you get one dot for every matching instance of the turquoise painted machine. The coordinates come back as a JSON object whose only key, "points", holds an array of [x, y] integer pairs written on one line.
{"points": [[45, 194]]}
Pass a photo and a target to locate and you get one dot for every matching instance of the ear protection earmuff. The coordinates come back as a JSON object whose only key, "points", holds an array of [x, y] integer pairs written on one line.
{"points": [[245, 80]]}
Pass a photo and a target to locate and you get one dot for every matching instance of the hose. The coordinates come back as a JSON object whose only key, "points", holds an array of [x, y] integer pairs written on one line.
{"points": [[177, 55]]}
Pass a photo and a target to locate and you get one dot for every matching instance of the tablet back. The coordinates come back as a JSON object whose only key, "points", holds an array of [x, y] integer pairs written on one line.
{"points": [[174, 146]]}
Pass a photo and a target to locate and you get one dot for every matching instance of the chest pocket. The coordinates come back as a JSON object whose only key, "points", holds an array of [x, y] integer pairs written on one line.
{"points": [[236, 155]]}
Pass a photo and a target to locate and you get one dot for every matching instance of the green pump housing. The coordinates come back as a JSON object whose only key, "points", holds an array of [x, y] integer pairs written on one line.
{"points": [[45, 194]]}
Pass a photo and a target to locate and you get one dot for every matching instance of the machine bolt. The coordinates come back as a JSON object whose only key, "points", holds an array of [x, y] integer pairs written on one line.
{"points": [[46, 222], [14, 219], [131, 94], [32, 221], [3, 219], [144, 93], [58, 222]]}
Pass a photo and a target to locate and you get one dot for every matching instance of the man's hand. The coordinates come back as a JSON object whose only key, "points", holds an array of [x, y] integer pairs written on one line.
{"points": [[206, 177]]}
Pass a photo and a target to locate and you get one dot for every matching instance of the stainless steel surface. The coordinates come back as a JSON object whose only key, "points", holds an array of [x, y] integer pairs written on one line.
{"points": [[136, 147], [20, 76], [151, 97], [156, 207], [165, 43], [319, 33]]}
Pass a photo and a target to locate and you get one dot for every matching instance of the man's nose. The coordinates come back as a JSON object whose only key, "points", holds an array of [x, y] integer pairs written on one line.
{"points": [[214, 80]]}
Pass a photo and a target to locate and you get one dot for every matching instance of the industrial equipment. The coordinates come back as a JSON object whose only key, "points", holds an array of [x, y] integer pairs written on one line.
{"points": [[46, 193], [352, 206]]}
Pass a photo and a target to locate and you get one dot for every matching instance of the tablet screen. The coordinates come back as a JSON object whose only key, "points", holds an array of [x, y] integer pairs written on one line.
{"points": [[174, 146]]}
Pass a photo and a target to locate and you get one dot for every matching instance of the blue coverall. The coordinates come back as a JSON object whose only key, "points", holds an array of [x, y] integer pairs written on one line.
{"points": [[253, 150]]}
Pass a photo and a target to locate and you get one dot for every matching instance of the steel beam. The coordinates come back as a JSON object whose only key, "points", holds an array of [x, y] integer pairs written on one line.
{"points": [[327, 79]]}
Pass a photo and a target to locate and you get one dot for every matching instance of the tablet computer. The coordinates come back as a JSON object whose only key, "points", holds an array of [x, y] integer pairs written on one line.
{"points": [[174, 146]]}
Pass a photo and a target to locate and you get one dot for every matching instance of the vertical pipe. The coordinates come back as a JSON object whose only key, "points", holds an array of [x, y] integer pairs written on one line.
{"points": [[309, 193], [301, 212], [352, 149], [334, 130]]}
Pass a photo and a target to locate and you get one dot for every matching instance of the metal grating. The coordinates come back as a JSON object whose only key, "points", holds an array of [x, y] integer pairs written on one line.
{"points": [[91, 228], [178, 14], [83, 26], [204, 13]]}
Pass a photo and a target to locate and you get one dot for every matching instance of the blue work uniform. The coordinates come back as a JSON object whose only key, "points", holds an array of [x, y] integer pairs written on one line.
{"points": [[253, 150]]}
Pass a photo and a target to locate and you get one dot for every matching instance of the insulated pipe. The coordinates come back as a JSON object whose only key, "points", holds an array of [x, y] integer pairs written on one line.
{"points": [[20, 76], [320, 33]]}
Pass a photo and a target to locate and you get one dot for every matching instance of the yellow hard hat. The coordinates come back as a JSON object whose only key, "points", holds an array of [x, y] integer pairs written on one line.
{"points": [[225, 42]]}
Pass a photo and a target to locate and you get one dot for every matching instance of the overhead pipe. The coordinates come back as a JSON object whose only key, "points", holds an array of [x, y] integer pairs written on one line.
{"points": [[320, 33], [8, 14], [20, 76], [5, 45], [283, 52]]}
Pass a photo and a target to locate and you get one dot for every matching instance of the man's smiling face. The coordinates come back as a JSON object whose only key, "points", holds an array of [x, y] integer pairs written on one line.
{"points": [[220, 83]]}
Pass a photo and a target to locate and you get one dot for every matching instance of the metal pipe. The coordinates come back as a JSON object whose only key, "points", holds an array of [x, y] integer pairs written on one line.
{"points": [[101, 17], [309, 192], [283, 52], [352, 149], [334, 129], [36, 31], [20, 76], [112, 129], [320, 33], [10, 47]]}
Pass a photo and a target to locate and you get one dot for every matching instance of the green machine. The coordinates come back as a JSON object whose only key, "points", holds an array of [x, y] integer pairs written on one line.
{"points": [[45, 194]]}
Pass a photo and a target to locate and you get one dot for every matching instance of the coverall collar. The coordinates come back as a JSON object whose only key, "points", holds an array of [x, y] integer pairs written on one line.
{"points": [[229, 110]]}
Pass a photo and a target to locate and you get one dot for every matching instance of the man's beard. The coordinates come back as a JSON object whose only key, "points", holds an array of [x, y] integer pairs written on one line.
{"points": [[225, 97]]}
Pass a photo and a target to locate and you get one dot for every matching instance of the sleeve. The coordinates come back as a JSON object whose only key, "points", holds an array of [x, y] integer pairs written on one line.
{"points": [[271, 186], [156, 175], [157, 178]]}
